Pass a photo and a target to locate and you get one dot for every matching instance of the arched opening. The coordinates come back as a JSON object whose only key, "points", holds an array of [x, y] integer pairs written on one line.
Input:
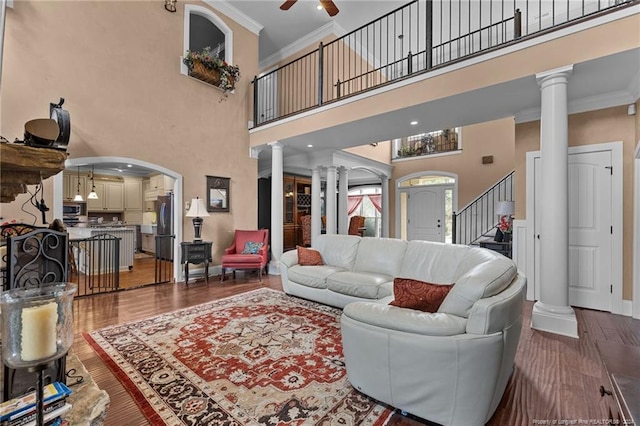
{"points": [[425, 202], [204, 28], [97, 162]]}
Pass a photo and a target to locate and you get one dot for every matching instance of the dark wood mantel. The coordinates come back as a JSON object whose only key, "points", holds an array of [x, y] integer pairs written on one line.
{"points": [[22, 165]]}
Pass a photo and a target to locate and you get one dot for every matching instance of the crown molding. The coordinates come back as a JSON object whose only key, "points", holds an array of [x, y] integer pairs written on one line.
{"points": [[577, 106], [232, 12], [303, 42]]}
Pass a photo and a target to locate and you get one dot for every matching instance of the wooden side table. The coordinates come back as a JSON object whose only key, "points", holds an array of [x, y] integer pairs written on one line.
{"points": [[196, 252]]}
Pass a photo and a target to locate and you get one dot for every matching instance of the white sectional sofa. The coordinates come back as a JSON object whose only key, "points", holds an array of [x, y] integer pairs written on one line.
{"points": [[449, 367]]}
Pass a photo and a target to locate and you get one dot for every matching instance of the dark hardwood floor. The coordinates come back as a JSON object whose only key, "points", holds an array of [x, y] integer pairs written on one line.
{"points": [[555, 377]]}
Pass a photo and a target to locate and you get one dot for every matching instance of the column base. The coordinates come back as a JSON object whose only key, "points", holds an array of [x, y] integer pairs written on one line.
{"points": [[274, 267], [554, 319]]}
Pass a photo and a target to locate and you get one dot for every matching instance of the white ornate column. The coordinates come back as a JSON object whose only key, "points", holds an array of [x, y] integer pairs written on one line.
{"points": [[552, 312], [331, 198], [343, 203], [316, 204], [276, 208], [385, 205]]}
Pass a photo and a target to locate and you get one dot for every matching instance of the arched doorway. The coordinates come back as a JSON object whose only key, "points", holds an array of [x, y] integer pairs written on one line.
{"points": [[97, 162], [425, 202]]}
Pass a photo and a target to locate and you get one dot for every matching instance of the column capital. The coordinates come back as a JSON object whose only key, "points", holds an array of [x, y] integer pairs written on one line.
{"points": [[332, 167], [275, 145], [557, 75]]}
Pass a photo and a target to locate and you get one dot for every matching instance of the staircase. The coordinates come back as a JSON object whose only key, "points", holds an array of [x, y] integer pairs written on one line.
{"points": [[478, 219]]}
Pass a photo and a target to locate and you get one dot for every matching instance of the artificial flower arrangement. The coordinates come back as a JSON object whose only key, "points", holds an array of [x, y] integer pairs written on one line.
{"points": [[505, 224], [207, 66]]}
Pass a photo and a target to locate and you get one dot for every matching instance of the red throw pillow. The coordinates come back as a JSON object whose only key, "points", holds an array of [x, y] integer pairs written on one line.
{"points": [[309, 257], [420, 295]]}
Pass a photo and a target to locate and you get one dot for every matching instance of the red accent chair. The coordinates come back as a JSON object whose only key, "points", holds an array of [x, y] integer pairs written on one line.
{"points": [[234, 259]]}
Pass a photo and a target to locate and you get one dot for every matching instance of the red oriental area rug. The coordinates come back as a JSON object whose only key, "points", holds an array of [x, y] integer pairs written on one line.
{"points": [[259, 358]]}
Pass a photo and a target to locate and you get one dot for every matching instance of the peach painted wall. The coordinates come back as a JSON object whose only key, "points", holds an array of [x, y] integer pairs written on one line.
{"points": [[117, 64], [492, 138], [381, 152], [606, 125], [606, 39], [297, 82]]}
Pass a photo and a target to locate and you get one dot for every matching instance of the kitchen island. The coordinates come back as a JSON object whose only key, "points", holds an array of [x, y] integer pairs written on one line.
{"points": [[127, 237]]}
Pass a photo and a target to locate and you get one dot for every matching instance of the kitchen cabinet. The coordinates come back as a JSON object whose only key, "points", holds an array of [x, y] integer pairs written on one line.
{"points": [[133, 201], [110, 197], [132, 194], [70, 186], [148, 243], [156, 186]]}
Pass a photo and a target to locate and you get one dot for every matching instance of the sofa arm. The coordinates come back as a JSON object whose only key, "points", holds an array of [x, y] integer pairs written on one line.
{"points": [[406, 320], [230, 250], [499, 312], [289, 258]]}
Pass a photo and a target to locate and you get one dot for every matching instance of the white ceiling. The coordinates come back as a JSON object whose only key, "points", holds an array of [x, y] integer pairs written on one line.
{"points": [[282, 28]]}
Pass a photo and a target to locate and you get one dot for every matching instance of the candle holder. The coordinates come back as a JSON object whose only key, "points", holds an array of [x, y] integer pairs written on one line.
{"points": [[37, 329]]}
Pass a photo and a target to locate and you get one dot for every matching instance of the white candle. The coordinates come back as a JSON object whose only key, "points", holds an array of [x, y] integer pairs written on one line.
{"points": [[39, 331]]}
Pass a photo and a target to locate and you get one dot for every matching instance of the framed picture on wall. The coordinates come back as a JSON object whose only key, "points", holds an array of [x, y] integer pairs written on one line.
{"points": [[218, 192]]}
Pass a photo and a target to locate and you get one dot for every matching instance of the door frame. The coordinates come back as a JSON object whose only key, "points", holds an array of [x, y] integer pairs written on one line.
{"points": [[616, 149], [399, 189], [177, 196]]}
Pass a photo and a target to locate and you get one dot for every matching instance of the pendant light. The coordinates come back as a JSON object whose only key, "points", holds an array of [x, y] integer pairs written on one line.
{"points": [[92, 195], [78, 197]]}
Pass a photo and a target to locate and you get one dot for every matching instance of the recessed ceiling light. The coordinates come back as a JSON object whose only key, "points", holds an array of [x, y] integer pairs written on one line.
{"points": [[129, 165], [319, 7], [309, 146], [120, 170], [414, 123]]}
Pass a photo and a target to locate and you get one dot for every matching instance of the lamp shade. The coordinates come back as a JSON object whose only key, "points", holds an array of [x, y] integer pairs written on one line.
{"points": [[197, 209], [505, 208]]}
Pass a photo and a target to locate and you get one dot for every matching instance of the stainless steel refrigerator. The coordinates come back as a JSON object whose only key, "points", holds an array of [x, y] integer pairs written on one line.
{"points": [[164, 227]]}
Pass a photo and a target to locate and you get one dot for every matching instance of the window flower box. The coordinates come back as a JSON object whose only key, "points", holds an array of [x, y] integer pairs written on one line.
{"points": [[206, 66]]}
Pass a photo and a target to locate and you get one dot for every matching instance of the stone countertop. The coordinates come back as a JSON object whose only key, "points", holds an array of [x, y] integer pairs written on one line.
{"points": [[90, 403], [88, 232]]}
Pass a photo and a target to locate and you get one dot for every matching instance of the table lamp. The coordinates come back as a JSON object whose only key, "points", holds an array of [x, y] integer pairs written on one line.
{"points": [[197, 211], [505, 208]]}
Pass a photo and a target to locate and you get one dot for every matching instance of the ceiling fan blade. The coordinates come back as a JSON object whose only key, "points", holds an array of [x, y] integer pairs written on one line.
{"points": [[330, 7], [287, 4]]}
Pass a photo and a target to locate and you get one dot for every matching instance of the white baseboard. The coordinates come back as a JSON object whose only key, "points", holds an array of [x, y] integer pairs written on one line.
{"points": [[627, 308]]}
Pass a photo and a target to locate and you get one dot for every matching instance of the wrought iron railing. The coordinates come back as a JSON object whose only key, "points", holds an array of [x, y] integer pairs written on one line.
{"points": [[95, 264], [478, 217], [415, 38]]}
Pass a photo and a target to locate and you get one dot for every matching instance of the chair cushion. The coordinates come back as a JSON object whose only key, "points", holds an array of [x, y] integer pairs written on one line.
{"points": [[380, 256], [419, 295], [311, 276], [309, 257], [231, 259], [251, 247], [337, 250], [360, 284]]}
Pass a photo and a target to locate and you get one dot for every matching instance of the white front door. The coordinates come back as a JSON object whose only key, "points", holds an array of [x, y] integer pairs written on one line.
{"points": [[590, 219], [425, 214]]}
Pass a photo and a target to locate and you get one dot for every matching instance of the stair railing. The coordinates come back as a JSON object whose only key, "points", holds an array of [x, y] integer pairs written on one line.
{"points": [[478, 217]]}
